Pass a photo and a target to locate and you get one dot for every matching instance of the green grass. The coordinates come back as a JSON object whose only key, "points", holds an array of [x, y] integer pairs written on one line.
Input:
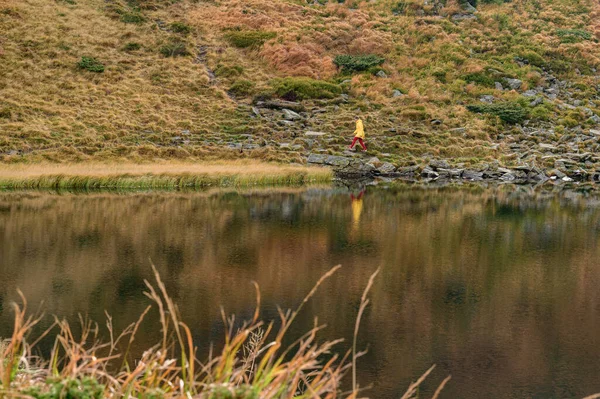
{"points": [[162, 181]]}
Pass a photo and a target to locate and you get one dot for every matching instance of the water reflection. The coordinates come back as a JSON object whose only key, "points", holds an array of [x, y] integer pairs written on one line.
{"points": [[498, 287]]}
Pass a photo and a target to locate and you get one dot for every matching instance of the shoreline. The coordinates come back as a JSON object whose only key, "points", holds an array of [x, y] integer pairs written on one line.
{"points": [[165, 175]]}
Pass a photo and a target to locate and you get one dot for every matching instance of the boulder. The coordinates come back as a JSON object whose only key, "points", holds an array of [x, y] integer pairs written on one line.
{"points": [[488, 99], [397, 93], [469, 174], [429, 173], [317, 158], [436, 164], [381, 74], [514, 84], [281, 104], [498, 86], [408, 170], [386, 168], [290, 115], [314, 134]]}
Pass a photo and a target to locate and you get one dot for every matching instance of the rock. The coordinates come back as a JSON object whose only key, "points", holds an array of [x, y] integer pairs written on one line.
{"points": [[594, 119], [508, 177], [595, 132], [353, 167], [397, 93], [386, 168], [566, 178], [284, 145], [458, 130], [375, 162], [317, 158], [429, 174], [315, 134], [291, 115], [436, 122], [335, 160], [536, 101], [469, 174], [548, 147], [498, 86], [530, 93], [556, 173], [462, 17], [408, 170], [488, 99], [381, 74], [514, 84], [256, 112], [468, 7], [281, 104], [436, 164], [451, 173], [297, 147]]}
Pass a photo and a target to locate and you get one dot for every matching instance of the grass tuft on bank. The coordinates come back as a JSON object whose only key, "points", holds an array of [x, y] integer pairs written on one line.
{"points": [[253, 362], [158, 176]]}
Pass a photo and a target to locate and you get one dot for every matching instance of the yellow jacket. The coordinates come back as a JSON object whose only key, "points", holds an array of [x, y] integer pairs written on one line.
{"points": [[360, 129]]}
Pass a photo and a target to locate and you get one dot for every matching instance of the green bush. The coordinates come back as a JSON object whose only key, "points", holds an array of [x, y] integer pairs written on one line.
{"points": [[533, 58], [480, 79], [357, 63], [228, 71], [541, 113], [573, 35], [246, 39], [180, 27], [241, 88], [132, 46], [399, 8], [509, 112], [305, 88], [91, 64], [174, 48], [85, 388], [132, 18]]}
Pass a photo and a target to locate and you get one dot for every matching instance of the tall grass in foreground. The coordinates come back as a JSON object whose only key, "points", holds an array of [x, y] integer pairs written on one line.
{"points": [[252, 363]]}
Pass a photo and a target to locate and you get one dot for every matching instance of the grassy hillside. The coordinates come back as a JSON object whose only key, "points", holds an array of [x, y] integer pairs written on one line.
{"points": [[147, 79]]}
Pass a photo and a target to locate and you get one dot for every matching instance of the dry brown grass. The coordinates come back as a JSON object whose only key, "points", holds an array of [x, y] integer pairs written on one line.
{"points": [[253, 362]]}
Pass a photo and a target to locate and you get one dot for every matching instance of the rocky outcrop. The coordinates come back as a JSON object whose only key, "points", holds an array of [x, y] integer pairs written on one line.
{"points": [[353, 167]]}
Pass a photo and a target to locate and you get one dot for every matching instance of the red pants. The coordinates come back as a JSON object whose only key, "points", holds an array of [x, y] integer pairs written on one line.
{"points": [[360, 141]]}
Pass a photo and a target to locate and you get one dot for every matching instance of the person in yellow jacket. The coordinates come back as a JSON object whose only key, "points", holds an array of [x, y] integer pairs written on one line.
{"points": [[359, 135]]}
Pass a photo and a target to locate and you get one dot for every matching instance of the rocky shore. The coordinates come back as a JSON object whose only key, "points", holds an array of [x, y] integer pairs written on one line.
{"points": [[354, 167]]}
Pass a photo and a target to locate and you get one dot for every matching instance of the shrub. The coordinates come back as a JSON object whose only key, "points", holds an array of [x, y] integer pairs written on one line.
{"points": [[174, 48], [540, 113], [228, 71], [246, 39], [132, 18], [132, 46], [91, 64], [573, 35], [180, 27], [74, 388], [357, 63], [241, 88], [480, 79], [399, 8], [304, 88], [509, 112], [533, 58]]}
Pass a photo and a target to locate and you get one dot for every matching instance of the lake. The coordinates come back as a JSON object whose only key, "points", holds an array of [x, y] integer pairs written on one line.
{"points": [[499, 287]]}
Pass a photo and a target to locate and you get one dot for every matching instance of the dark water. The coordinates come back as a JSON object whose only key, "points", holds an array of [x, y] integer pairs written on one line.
{"points": [[498, 287]]}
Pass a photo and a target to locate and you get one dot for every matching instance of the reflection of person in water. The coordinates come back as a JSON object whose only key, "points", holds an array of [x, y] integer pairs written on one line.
{"points": [[357, 206]]}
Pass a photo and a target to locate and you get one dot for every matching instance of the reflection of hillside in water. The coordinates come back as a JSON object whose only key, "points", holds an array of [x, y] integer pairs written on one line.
{"points": [[498, 287]]}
